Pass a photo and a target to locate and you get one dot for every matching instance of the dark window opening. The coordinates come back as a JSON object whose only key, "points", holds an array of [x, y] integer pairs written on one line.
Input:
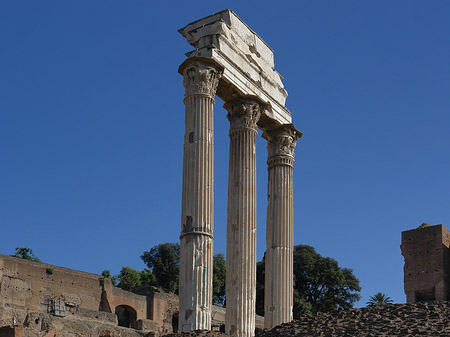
{"points": [[427, 295]]}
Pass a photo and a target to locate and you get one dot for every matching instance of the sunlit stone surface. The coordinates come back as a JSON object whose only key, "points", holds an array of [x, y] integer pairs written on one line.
{"points": [[234, 63]]}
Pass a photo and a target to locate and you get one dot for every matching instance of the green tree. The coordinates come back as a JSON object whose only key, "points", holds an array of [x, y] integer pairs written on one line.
{"points": [[320, 285], [26, 254], [379, 299], [302, 308], [107, 274], [164, 262], [320, 282], [129, 279], [219, 276], [147, 277]]}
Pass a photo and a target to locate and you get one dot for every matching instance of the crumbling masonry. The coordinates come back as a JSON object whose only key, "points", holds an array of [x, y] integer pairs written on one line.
{"points": [[427, 263], [234, 63], [38, 299]]}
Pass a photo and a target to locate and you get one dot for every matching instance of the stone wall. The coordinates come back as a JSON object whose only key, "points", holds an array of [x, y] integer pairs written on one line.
{"points": [[37, 298], [165, 311], [162, 309], [27, 286], [114, 297], [426, 270], [47, 325]]}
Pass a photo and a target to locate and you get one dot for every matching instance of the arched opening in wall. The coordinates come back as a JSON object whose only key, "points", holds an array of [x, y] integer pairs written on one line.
{"points": [[126, 316], [175, 322]]}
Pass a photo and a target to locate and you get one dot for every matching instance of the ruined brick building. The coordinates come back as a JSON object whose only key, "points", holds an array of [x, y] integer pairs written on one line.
{"points": [[45, 298], [38, 299], [427, 263]]}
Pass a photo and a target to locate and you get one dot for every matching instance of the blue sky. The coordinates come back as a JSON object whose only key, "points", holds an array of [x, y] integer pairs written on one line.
{"points": [[92, 124]]}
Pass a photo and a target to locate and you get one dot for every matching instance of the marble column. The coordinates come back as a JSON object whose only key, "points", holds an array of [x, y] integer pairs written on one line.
{"points": [[243, 115], [200, 80], [278, 289]]}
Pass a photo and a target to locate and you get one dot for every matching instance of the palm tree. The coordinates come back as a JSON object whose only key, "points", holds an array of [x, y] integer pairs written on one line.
{"points": [[379, 299]]}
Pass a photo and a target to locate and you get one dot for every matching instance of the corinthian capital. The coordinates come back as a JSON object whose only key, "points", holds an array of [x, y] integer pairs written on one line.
{"points": [[244, 113], [201, 78], [282, 140]]}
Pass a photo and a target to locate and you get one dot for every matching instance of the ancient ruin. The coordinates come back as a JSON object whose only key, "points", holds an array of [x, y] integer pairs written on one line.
{"points": [[427, 263], [390, 320], [38, 299], [234, 63], [394, 320]]}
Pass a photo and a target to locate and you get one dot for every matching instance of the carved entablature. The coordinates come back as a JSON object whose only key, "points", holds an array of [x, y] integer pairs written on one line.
{"points": [[201, 78], [282, 141], [248, 62], [244, 113]]}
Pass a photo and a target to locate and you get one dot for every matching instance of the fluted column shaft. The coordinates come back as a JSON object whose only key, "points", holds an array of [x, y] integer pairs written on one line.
{"points": [[196, 239], [243, 115], [278, 296]]}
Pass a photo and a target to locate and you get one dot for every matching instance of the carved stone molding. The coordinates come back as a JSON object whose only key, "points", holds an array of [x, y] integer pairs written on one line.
{"points": [[280, 160], [282, 141], [244, 113], [201, 78]]}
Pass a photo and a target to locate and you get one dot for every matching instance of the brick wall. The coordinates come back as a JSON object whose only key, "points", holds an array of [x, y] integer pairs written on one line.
{"points": [[426, 269]]}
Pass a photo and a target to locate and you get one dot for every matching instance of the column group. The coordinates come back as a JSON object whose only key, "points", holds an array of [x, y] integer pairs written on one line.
{"points": [[201, 80]]}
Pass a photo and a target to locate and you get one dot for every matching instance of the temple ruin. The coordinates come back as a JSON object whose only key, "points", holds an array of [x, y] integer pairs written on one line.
{"points": [[231, 61]]}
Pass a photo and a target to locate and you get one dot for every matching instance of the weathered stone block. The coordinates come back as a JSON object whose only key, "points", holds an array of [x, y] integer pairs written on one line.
{"points": [[146, 324]]}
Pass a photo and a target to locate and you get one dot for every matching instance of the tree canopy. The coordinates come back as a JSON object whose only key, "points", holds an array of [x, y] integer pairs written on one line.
{"points": [[26, 254], [219, 276], [320, 285], [129, 279], [164, 262]]}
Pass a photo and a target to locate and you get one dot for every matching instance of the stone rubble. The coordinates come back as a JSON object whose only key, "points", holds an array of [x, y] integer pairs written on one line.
{"points": [[418, 319], [198, 333]]}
